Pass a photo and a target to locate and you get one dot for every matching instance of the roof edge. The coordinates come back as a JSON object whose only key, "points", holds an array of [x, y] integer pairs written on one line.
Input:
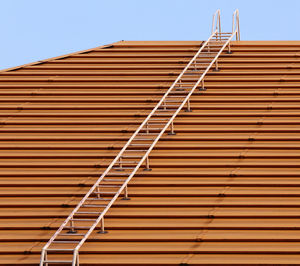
{"points": [[57, 57]]}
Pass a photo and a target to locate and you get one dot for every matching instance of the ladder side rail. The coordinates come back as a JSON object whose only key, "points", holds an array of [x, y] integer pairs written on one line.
{"points": [[236, 24], [125, 146], [152, 146], [236, 32], [144, 157], [216, 22]]}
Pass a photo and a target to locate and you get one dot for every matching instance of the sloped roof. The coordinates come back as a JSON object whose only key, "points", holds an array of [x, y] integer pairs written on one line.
{"points": [[224, 190]]}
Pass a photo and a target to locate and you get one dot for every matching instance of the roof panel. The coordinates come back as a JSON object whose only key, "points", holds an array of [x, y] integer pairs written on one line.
{"points": [[225, 190]]}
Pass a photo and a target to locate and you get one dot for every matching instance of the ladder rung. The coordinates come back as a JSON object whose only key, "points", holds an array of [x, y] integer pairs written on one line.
{"points": [[158, 121], [67, 241], [105, 192], [140, 144], [102, 199], [83, 219], [58, 261], [130, 162], [182, 87], [208, 58], [183, 91], [200, 63], [169, 110], [154, 128], [83, 227], [194, 71], [123, 168], [73, 234], [171, 105], [120, 174], [163, 119], [112, 180], [150, 134], [60, 249], [104, 185], [135, 150], [143, 139], [205, 54], [92, 205], [131, 156]]}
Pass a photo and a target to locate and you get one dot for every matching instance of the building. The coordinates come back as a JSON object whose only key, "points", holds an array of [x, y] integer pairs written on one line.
{"points": [[224, 190]]}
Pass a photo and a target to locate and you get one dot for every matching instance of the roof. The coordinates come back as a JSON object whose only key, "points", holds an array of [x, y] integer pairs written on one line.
{"points": [[224, 190]]}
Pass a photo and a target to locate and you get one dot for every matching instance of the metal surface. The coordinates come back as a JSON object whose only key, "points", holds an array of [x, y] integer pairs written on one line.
{"points": [[225, 187], [135, 152], [223, 191]]}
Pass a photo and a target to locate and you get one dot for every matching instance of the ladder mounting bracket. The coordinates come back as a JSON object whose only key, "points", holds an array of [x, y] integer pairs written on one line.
{"points": [[72, 231], [126, 198], [102, 232]]}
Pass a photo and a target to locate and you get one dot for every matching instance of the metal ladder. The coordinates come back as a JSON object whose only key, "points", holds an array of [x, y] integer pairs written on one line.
{"points": [[64, 245]]}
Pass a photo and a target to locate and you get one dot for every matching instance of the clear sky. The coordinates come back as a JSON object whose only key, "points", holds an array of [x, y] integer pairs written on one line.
{"points": [[32, 30]]}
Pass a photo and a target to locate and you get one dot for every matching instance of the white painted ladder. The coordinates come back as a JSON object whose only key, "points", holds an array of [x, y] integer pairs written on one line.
{"points": [[91, 210]]}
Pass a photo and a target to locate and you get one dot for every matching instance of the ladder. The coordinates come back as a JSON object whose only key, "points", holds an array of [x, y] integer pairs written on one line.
{"points": [[89, 214]]}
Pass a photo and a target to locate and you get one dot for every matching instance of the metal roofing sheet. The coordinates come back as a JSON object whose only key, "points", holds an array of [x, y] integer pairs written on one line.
{"points": [[224, 190]]}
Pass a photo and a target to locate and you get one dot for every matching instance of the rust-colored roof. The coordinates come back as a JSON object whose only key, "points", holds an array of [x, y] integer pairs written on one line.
{"points": [[224, 190]]}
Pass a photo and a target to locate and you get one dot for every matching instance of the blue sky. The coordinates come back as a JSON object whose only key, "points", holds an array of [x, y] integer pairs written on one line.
{"points": [[32, 30]]}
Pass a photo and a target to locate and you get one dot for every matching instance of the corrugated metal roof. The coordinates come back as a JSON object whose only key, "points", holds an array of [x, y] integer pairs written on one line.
{"points": [[224, 190]]}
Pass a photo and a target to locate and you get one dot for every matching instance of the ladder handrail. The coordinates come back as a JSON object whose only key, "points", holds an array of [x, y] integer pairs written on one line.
{"points": [[236, 24], [216, 22]]}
